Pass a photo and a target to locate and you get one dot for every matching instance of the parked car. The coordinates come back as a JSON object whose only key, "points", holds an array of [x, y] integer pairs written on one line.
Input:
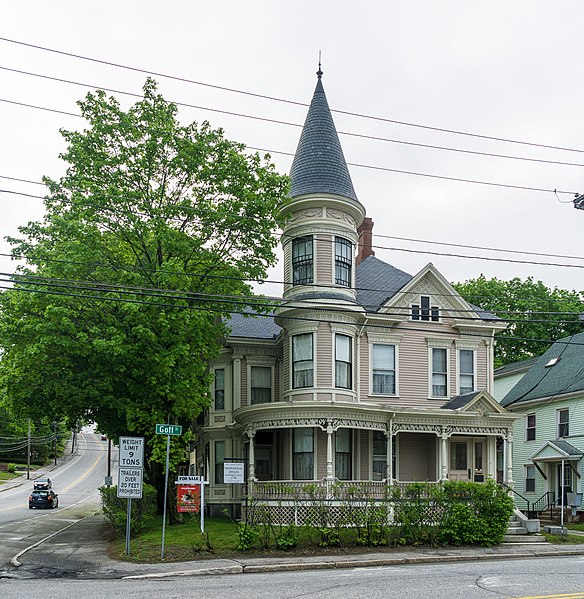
{"points": [[43, 498], [42, 483]]}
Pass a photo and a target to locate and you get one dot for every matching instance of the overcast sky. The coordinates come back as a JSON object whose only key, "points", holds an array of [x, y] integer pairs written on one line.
{"points": [[499, 68]]}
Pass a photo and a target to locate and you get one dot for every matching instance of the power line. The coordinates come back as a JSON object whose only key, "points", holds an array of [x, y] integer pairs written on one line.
{"points": [[286, 101]]}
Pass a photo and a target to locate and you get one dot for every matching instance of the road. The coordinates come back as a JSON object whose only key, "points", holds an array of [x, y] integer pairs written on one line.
{"points": [[76, 481], [517, 578]]}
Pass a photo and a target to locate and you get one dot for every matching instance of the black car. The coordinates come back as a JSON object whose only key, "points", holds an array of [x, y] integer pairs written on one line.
{"points": [[43, 498], [42, 483]]}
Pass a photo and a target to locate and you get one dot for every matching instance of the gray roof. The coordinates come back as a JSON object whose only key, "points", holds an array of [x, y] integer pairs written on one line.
{"points": [[567, 447], [253, 326], [377, 281], [319, 165], [519, 366], [459, 401], [566, 376]]}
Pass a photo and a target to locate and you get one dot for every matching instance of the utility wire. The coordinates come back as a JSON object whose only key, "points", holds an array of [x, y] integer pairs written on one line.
{"points": [[283, 100]]}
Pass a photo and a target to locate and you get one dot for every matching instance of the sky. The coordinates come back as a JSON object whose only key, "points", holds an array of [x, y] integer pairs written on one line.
{"points": [[508, 69]]}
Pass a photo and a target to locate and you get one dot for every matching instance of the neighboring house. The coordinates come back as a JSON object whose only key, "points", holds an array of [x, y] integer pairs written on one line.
{"points": [[549, 436], [506, 377], [362, 373]]}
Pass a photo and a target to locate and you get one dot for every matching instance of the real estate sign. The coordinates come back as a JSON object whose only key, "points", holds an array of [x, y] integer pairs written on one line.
{"points": [[188, 498]]}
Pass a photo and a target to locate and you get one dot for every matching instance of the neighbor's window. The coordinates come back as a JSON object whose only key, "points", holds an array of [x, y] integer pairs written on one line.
{"points": [[302, 260], [529, 479], [343, 362], [383, 364], [303, 454], [343, 454], [302, 363], [219, 391], [466, 374], [530, 427], [343, 261], [439, 372], [261, 384], [563, 423]]}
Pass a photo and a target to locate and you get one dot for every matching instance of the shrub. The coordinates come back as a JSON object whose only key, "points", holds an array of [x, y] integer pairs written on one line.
{"points": [[115, 510], [11, 468]]}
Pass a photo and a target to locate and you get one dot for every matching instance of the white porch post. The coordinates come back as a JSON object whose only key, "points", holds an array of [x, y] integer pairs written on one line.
{"points": [[444, 455], [329, 451], [251, 435], [509, 443]]}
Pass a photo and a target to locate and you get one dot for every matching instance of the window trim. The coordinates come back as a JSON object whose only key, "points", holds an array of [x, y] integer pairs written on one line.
{"points": [[338, 362], [529, 428], [343, 262], [460, 373], [560, 424], [526, 478], [306, 260], [293, 362], [314, 454], [425, 304], [395, 346], [250, 366], [214, 388], [431, 372]]}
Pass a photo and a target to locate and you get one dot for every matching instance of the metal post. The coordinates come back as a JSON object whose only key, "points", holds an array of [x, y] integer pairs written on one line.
{"points": [[165, 494], [28, 453], [128, 520], [55, 441], [562, 501], [109, 457], [202, 497]]}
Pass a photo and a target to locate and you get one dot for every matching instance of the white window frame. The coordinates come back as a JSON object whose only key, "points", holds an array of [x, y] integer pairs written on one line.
{"points": [[529, 428], [382, 339], [350, 363], [341, 239], [292, 361], [431, 308], [526, 470], [558, 423], [459, 373], [312, 260], [432, 345]]}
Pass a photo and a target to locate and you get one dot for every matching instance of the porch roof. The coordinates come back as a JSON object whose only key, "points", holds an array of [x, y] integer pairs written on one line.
{"points": [[556, 451]]}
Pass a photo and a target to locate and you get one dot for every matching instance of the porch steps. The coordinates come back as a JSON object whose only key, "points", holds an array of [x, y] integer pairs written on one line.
{"points": [[517, 533]]}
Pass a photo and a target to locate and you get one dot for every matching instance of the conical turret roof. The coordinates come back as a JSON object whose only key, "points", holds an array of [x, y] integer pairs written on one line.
{"points": [[319, 164]]}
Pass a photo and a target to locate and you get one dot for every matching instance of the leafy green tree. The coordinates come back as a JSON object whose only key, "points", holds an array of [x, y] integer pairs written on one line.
{"points": [[147, 242], [537, 315]]}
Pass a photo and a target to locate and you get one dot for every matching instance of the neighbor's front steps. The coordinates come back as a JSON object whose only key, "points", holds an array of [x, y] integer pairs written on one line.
{"points": [[517, 533]]}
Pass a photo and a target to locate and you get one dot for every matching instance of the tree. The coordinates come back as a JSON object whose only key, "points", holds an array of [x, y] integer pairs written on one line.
{"points": [[537, 315], [147, 243]]}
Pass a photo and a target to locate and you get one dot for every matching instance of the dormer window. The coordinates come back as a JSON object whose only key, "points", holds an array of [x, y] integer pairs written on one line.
{"points": [[425, 310], [343, 261], [302, 260]]}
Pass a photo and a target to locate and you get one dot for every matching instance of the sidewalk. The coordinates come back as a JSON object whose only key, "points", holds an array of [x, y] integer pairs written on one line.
{"points": [[81, 552]]}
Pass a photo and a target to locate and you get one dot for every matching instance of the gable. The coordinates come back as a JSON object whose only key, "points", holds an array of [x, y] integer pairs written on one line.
{"points": [[477, 401]]}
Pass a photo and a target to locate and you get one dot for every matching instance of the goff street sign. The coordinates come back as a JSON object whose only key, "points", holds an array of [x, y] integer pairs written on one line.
{"points": [[168, 429]]}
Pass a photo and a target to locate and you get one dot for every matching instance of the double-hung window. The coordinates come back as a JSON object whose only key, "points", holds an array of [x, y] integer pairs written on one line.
{"points": [[261, 384], [302, 361], [343, 261], [219, 460], [425, 310], [466, 371], [530, 427], [343, 362], [219, 389], [343, 454], [303, 454], [529, 479], [563, 423], [439, 372], [302, 260], [383, 363]]}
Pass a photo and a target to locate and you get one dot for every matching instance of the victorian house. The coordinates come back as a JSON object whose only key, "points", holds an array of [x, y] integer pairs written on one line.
{"points": [[362, 373]]}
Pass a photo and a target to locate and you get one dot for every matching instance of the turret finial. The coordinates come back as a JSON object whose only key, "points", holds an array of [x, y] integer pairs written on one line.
{"points": [[319, 72]]}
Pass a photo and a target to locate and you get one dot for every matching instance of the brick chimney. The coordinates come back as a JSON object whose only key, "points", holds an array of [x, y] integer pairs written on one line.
{"points": [[365, 245]]}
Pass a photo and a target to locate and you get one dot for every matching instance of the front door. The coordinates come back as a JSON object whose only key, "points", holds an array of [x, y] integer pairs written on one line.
{"points": [[567, 482], [467, 460]]}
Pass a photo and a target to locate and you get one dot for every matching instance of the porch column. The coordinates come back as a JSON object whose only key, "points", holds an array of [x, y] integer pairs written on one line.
{"points": [[509, 442], [251, 435], [329, 451], [444, 455]]}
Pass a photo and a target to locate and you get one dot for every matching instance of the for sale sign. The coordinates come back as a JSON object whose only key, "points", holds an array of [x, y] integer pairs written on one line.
{"points": [[188, 498]]}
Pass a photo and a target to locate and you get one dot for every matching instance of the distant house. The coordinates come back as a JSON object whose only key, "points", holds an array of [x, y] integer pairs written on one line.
{"points": [[549, 436], [362, 374], [506, 377]]}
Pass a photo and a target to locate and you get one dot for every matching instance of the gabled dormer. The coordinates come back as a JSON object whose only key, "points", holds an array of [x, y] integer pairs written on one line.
{"points": [[320, 237]]}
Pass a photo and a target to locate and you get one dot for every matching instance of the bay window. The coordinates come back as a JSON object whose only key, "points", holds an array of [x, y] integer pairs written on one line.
{"points": [[302, 361], [343, 261], [260, 384], [302, 260], [343, 362]]}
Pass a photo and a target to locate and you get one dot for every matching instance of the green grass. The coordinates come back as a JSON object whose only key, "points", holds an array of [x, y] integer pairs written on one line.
{"points": [[576, 526]]}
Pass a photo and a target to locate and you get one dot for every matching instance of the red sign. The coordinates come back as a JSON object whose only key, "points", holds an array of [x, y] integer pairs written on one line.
{"points": [[188, 498]]}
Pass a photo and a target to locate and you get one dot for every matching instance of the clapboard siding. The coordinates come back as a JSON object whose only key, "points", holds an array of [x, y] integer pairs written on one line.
{"points": [[416, 456], [324, 258], [324, 356]]}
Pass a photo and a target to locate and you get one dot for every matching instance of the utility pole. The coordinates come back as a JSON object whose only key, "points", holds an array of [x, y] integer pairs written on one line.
{"points": [[55, 441], [28, 453]]}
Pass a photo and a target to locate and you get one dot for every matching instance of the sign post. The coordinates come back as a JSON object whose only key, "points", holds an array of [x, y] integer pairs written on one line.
{"points": [[168, 430], [130, 473], [191, 496]]}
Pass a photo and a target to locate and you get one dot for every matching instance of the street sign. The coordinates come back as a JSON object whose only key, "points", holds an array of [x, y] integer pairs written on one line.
{"points": [[168, 429], [233, 472], [132, 452], [130, 483]]}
